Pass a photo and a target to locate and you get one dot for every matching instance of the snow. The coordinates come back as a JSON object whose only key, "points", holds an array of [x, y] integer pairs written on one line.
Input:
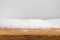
{"points": [[29, 23]]}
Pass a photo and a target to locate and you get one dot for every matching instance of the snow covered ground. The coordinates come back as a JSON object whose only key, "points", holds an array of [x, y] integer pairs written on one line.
{"points": [[29, 23]]}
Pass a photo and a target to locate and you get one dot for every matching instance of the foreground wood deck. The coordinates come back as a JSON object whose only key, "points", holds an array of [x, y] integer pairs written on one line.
{"points": [[22, 31]]}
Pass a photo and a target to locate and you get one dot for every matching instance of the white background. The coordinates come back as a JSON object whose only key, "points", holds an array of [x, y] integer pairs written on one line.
{"points": [[30, 8]]}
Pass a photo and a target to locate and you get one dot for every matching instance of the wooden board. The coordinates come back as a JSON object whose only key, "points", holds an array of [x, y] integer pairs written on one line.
{"points": [[24, 31]]}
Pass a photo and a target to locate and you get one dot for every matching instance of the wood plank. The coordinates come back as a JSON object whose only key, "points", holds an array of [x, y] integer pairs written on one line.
{"points": [[24, 31]]}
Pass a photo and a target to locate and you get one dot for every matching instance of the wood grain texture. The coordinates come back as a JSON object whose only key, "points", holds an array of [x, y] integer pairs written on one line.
{"points": [[23, 31], [29, 37]]}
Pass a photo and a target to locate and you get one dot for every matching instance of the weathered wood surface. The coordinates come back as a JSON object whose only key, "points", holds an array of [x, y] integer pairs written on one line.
{"points": [[29, 37], [23, 31]]}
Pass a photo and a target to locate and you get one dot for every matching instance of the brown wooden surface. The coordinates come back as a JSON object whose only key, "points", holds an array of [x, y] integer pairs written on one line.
{"points": [[22, 31], [29, 37]]}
